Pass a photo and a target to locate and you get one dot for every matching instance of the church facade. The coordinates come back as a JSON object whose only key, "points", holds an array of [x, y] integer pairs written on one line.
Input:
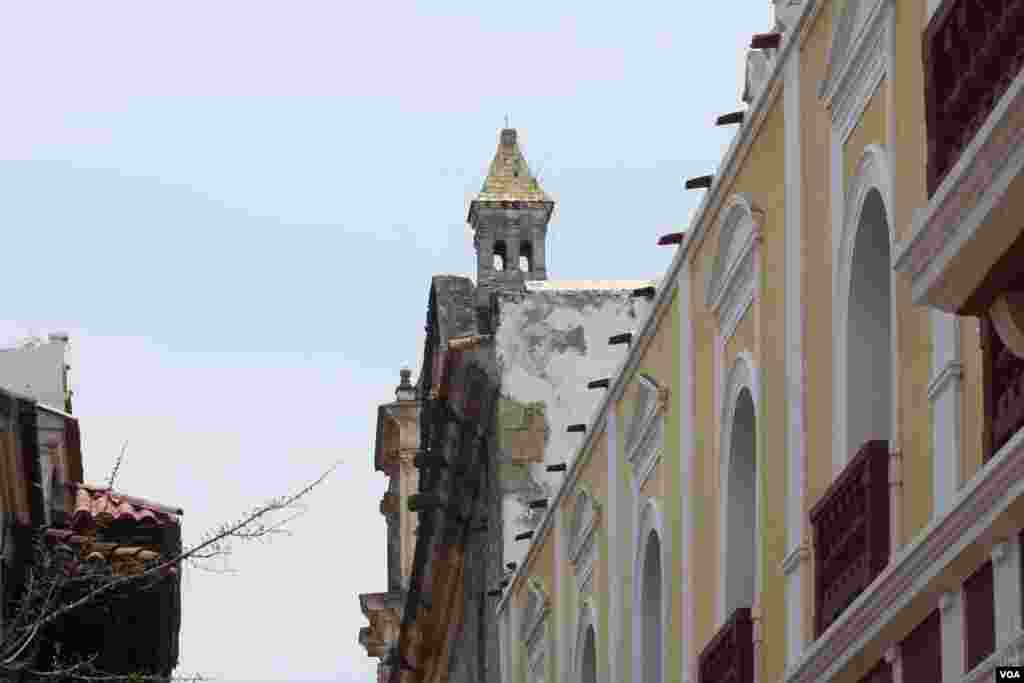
{"points": [[807, 461]]}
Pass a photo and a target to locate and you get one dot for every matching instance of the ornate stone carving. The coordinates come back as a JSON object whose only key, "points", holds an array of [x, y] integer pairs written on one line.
{"points": [[586, 516]]}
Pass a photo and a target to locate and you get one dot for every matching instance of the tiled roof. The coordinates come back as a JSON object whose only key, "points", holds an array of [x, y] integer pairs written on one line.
{"points": [[123, 559], [98, 506], [509, 178]]}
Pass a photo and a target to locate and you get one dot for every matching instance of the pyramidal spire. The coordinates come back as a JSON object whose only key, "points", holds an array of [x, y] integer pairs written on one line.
{"points": [[509, 178], [510, 219]]}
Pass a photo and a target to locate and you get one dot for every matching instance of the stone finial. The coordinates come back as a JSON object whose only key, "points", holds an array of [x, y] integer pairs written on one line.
{"points": [[405, 390]]}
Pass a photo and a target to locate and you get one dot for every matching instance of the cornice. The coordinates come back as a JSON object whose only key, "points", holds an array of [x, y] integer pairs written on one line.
{"points": [[737, 153]]}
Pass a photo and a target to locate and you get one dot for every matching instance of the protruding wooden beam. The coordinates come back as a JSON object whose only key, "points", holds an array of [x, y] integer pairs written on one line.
{"points": [[560, 467], [701, 182], [729, 119], [424, 501], [598, 384], [422, 460], [624, 338], [645, 292], [466, 343], [766, 41], [671, 238], [578, 427]]}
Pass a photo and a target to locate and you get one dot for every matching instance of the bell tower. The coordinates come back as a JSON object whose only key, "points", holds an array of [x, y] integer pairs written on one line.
{"points": [[510, 224]]}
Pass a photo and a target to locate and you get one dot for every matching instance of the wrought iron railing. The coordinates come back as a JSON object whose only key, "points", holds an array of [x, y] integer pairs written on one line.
{"points": [[851, 533]]}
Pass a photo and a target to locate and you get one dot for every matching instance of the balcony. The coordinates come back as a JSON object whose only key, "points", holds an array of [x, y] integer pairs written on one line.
{"points": [[965, 241], [851, 533], [973, 50], [1004, 390], [729, 657]]}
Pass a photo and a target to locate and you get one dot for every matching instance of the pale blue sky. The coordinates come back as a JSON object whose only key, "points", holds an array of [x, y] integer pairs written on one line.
{"points": [[235, 209]]}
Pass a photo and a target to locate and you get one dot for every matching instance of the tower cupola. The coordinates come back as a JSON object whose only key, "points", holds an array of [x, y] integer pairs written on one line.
{"points": [[509, 218]]}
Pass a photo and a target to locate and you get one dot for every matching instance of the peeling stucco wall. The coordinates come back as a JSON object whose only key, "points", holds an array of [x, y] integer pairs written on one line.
{"points": [[550, 341]]}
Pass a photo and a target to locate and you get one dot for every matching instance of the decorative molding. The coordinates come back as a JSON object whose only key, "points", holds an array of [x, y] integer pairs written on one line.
{"points": [[794, 558], [533, 626], [582, 538], [952, 370], [857, 61], [918, 566], [646, 406], [731, 278]]}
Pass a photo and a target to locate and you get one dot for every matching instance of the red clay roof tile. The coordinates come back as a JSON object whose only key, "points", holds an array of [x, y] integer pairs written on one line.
{"points": [[100, 506]]}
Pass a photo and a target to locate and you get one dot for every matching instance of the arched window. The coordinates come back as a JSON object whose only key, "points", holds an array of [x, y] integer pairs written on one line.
{"points": [[652, 627], [741, 507], [525, 256], [869, 329], [588, 662], [500, 254], [863, 397]]}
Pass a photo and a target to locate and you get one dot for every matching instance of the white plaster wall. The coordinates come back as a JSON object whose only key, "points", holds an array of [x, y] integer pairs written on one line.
{"points": [[36, 371], [536, 365]]}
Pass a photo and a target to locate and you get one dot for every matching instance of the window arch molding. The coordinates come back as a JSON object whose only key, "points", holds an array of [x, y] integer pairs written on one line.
{"points": [[644, 441], [732, 277], [742, 377], [584, 522], [534, 630], [586, 621], [873, 174], [651, 522]]}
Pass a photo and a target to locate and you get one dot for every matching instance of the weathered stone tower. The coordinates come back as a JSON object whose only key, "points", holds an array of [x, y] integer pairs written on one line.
{"points": [[510, 223]]}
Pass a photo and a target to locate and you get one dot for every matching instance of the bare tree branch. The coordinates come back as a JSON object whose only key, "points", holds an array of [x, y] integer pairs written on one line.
{"points": [[117, 465], [56, 573]]}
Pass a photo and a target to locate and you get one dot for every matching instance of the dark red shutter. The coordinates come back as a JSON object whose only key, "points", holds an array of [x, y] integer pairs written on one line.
{"points": [[921, 651], [979, 616]]}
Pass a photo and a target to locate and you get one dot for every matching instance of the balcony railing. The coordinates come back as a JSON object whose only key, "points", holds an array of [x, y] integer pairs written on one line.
{"points": [[851, 533], [1004, 389], [729, 657], [973, 49]]}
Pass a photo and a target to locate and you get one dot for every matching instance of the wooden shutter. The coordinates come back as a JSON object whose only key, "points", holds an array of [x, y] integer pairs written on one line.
{"points": [[979, 616], [921, 651]]}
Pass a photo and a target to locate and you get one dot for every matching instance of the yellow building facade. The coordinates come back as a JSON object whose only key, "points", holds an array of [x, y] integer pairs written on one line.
{"points": [[809, 466]]}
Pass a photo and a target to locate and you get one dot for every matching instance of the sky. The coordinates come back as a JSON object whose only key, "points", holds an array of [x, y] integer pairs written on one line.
{"points": [[235, 207]]}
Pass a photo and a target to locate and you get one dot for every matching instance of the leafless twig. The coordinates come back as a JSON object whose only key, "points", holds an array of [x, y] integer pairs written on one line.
{"points": [[117, 465]]}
